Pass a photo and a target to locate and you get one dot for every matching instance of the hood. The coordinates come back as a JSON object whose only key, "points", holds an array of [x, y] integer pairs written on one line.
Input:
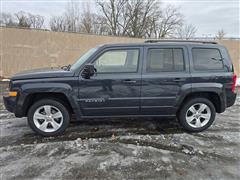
{"points": [[42, 73]]}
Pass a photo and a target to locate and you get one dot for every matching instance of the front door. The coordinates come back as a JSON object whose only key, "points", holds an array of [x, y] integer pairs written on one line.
{"points": [[165, 77], [114, 90]]}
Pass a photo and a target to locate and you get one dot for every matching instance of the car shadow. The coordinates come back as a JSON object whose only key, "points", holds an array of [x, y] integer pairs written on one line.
{"points": [[108, 128], [130, 125]]}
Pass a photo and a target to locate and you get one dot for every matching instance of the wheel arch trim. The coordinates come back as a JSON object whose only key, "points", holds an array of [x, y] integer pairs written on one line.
{"points": [[37, 88]]}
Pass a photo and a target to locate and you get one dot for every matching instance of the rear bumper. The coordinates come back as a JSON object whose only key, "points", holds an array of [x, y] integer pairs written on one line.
{"points": [[10, 103], [231, 99]]}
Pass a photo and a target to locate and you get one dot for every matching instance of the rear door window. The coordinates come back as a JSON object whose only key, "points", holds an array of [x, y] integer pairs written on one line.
{"points": [[207, 59], [165, 60]]}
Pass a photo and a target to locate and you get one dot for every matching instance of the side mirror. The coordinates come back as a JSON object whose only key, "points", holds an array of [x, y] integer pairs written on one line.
{"points": [[88, 71]]}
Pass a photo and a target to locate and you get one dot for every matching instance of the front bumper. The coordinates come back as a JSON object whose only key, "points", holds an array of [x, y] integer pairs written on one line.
{"points": [[10, 103]]}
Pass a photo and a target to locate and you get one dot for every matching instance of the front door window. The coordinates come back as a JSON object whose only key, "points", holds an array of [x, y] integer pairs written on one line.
{"points": [[117, 61]]}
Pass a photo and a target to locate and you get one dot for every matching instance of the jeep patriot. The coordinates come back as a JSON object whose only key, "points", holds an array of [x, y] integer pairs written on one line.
{"points": [[189, 80]]}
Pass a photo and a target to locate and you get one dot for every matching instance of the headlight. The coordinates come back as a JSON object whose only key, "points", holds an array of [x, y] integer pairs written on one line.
{"points": [[11, 92], [10, 85], [5, 86]]}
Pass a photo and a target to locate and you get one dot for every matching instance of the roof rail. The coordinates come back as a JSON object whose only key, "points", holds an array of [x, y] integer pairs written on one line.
{"points": [[157, 41]]}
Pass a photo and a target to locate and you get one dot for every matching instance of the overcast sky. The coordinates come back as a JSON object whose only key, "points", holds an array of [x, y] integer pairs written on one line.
{"points": [[207, 15]]}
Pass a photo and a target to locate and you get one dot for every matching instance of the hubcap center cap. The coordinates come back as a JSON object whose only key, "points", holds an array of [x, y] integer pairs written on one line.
{"points": [[197, 115], [49, 118]]}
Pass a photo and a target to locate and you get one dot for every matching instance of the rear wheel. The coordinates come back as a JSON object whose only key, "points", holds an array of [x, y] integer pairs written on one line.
{"points": [[48, 117], [197, 114]]}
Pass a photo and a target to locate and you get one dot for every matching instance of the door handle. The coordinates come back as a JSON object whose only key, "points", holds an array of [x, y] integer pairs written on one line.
{"points": [[129, 81], [179, 79]]}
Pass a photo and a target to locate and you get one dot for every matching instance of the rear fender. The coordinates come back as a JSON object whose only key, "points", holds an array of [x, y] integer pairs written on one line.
{"points": [[216, 88]]}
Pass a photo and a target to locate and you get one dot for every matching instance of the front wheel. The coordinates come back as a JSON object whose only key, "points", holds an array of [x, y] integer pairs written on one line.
{"points": [[48, 117], [197, 114]]}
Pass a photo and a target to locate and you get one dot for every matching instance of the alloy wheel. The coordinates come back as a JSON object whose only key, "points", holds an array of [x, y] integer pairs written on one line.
{"points": [[198, 115], [48, 118]]}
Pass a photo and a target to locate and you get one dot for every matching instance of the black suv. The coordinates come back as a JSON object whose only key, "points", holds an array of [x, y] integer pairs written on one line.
{"points": [[191, 80]]}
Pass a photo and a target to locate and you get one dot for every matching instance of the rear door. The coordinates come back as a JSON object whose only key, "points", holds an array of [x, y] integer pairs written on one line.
{"points": [[165, 78]]}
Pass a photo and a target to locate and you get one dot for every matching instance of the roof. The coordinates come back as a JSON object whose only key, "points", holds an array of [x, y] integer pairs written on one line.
{"points": [[180, 41], [165, 42]]}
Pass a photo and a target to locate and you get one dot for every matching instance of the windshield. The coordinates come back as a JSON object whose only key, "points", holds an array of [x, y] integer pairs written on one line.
{"points": [[82, 59]]}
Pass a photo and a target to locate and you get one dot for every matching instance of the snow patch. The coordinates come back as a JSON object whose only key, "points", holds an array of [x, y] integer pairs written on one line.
{"points": [[114, 160], [166, 159], [135, 152], [238, 82]]}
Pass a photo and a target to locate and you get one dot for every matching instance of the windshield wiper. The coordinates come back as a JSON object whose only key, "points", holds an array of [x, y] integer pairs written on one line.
{"points": [[66, 67]]}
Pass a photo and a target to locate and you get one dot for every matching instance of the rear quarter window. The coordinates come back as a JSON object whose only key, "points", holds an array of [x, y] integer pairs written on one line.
{"points": [[207, 59]]}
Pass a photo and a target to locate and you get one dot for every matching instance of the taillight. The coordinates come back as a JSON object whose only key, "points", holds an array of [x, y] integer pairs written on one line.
{"points": [[234, 82]]}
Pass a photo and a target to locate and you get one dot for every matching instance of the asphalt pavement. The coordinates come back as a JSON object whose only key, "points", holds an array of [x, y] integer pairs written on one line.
{"points": [[140, 148]]}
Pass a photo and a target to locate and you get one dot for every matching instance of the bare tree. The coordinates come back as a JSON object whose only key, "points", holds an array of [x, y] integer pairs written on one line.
{"points": [[138, 18], [6, 19], [72, 16], [112, 11], [186, 32], [69, 21], [57, 23], [134, 18], [100, 25], [92, 22], [140, 15], [170, 20], [87, 19], [23, 19], [129, 17], [220, 34], [37, 21], [73, 21]]}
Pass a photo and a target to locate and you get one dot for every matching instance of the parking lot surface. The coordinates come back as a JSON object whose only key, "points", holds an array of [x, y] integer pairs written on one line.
{"points": [[139, 148]]}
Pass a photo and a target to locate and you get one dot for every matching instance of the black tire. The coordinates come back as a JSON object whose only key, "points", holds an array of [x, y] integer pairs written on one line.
{"points": [[59, 106], [182, 114]]}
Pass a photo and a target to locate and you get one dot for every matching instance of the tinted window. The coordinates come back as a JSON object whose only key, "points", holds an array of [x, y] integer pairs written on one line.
{"points": [[165, 60], [178, 59], [207, 59], [118, 61]]}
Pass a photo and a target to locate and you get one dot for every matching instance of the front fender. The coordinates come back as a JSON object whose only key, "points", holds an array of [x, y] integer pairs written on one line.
{"points": [[33, 88]]}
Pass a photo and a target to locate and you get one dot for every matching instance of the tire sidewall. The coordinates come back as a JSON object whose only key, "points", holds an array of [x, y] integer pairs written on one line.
{"points": [[60, 106], [182, 116]]}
